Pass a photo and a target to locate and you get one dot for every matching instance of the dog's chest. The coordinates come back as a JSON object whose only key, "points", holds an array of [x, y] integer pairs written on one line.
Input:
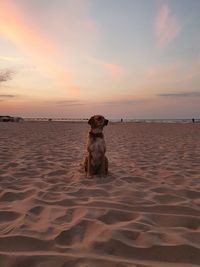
{"points": [[97, 145]]}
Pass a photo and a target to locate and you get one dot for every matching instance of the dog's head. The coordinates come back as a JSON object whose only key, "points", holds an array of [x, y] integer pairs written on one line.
{"points": [[97, 121]]}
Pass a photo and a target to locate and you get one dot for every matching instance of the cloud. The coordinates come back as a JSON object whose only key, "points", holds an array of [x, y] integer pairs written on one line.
{"points": [[175, 72], [113, 102], [167, 26], [16, 27], [4, 97], [10, 59], [70, 103], [181, 94], [162, 71], [8, 96], [182, 71], [112, 69], [6, 75], [124, 102]]}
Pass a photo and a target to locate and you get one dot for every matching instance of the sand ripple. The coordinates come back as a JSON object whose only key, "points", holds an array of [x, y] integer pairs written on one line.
{"points": [[146, 213]]}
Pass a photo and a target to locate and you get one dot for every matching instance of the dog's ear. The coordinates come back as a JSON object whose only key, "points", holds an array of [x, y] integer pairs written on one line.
{"points": [[106, 122], [91, 121]]}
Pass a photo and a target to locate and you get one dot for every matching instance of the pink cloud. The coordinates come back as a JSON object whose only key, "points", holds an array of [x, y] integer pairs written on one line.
{"points": [[165, 73], [162, 71], [167, 26], [112, 69], [30, 39], [179, 72]]}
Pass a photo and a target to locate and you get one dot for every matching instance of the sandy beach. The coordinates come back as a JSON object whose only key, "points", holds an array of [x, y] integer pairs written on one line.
{"points": [[146, 213]]}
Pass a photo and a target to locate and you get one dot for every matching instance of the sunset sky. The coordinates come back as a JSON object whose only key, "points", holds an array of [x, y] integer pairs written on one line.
{"points": [[120, 58]]}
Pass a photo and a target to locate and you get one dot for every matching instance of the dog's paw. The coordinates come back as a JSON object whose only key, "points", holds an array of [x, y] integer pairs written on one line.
{"points": [[89, 176]]}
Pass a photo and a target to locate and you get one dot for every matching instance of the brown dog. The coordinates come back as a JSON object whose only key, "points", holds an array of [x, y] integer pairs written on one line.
{"points": [[96, 163]]}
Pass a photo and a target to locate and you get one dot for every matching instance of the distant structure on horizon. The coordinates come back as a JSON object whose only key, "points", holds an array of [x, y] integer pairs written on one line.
{"points": [[10, 119]]}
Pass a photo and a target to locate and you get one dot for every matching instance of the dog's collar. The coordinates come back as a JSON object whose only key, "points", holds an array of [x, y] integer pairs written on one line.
{"points": [[95, 135]]}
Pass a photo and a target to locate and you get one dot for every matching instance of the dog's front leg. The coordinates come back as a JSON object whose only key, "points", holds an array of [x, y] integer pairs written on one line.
{"points": [[86, 164], [104, 167], [89, 168]]}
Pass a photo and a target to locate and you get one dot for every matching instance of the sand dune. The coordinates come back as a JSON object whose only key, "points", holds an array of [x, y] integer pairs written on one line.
{"points": [[146, 213]]}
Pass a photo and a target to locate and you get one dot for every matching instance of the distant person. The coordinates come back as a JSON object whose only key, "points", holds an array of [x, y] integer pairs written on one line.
{"points": [[193, 120], [121, 120]]}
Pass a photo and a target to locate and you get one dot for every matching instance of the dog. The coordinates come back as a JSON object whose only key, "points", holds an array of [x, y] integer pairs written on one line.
{"points": [[96, 163]]}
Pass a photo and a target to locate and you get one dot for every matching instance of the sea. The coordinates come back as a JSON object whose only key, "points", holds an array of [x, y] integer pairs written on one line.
{"points": [[116, 120]]}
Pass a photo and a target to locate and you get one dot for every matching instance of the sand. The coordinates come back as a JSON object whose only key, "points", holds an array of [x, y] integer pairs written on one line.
{"points": [[146, 213]]}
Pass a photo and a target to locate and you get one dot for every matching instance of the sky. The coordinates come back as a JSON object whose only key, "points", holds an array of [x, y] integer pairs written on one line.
{"points": [[120, 58]]}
